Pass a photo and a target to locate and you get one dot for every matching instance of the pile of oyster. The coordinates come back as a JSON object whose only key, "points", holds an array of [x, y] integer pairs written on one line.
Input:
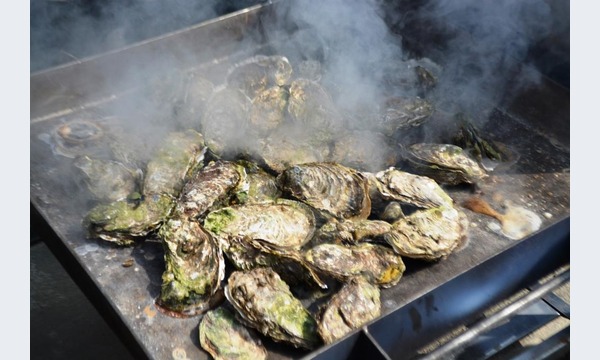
{"points": [[270, 191]]}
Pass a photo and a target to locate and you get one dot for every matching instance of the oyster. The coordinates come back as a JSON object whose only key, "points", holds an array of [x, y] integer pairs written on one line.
{"points": [[180, 154], [392, 212], [350, 231], [338, 190], [378, 264], [123, 221], [209, 187], [445, 163], [224, 337], [194, 267], [285, 224], [407, 188], [357, 303], [363, 150], [400, 113], [224, 122], [107, 180], [287, 146], [265, 302], [429, 234], [259, 187], [258, 73], [268, 109], [310, 106]]}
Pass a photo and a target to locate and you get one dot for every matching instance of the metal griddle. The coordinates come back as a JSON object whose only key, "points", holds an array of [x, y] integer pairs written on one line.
{"points": [[429, 300]]}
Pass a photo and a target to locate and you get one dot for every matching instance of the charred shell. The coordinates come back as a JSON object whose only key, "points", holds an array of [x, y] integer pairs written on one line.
{"points": [[194, 267], [445, 163], [265, 302], [357, 303], [429, 234], [338, 190], [224, 337], [377, 264]]}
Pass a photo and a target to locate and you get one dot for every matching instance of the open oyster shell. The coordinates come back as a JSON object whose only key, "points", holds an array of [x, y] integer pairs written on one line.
{"points": [[224, 337], [338, 190], [264, 302], [357, 303]]}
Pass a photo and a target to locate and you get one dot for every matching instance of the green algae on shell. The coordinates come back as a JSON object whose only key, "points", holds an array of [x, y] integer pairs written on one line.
{"points": [[265, 302], [224, 337]]}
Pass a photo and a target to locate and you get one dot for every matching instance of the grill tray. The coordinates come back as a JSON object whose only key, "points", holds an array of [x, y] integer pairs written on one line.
{"points": [[430, 299]]}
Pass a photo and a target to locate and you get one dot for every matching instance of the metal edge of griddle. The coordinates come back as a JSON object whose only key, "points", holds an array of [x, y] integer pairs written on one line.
{"points": [[85, 281], [402, 332]]}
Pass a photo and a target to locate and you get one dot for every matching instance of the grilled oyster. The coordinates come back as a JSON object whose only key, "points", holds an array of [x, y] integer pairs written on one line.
{"points": [[224, 122], [357, 303], [107, 180], [310, 106], [180, 154], [350, 231], [445, 163], [376, 263], [209, 187], [285, 224], [407, 188], [194, 267], [123, 221], [224, 337], [287, 146], [428, 234], [264, 302], [255, 74], [363, 150], [260, 187], [268, 109], [400, 113], [338, 190]]}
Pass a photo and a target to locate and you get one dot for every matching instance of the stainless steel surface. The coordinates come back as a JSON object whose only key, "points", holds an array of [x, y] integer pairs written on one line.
{"points": [[95, 87]]}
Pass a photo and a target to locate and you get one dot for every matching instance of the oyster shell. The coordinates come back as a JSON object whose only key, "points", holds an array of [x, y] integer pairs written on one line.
{"points": [[123, 221], [260, 187], [107, 180], [378, 264], [209, 187], [257, 73], [224, 122], [429, 234], [285, 224], [445, 163], [194, 267], [224, 337], [357, 303], [363, 150], [338, 190], [399, 113], [268, 109], [350, 231], [407, 188], [179, 155], [310, 106], [265, 302]]}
